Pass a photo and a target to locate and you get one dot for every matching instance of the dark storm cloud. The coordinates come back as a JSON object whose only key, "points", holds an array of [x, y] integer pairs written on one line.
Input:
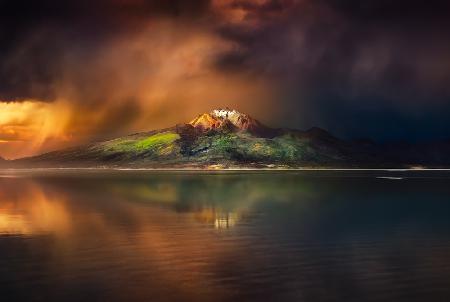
{"points": [[393, 12], [353, 60], [332, 36], [36, 37]]}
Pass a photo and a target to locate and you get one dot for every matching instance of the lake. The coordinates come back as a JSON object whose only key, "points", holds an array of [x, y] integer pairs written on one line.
{"points": [[224, 236]]}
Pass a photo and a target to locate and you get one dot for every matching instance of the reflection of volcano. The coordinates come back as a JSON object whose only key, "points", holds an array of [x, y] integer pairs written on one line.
{"points": [[220, 219], [225, 221]]}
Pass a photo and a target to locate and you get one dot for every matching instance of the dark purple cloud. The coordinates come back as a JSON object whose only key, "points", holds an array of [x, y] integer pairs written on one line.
{"points": [[349, 65]]}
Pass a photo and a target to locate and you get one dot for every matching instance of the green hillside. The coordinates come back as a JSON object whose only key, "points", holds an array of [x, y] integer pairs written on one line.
{"points": [[226, 138], [186, 145]]}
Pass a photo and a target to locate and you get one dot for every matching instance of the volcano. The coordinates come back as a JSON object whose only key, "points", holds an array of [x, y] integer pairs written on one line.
{"points": [[227, 138]]}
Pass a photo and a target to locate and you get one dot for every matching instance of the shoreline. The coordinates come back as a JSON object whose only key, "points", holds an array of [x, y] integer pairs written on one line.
{"points": [[218, 170]]}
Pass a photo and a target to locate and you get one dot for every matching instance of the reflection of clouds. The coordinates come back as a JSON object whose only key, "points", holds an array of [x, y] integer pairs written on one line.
{"points": [[143, 239], [32, 211], [106, 224], [12, 224], [154, 225]]}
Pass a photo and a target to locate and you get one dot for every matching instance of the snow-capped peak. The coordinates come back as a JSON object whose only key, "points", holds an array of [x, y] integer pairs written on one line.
{"points": [[220, 117], [225, 113]]}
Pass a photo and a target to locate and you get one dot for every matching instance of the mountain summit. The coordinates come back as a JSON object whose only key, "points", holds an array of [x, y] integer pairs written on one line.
{"points": [[219, 118]]}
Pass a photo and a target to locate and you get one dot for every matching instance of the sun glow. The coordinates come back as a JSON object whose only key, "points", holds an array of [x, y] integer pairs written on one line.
{"points": [[154, 79], [30, 126]]}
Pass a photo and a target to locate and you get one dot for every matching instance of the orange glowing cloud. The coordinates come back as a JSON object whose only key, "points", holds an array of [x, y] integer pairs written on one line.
{"points": [[161, 76], [31, 126]]}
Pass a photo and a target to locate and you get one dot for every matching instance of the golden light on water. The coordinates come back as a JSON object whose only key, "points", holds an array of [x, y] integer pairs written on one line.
{"points": [[220, 219], [225, 221], [70, 214], [13, 224]]}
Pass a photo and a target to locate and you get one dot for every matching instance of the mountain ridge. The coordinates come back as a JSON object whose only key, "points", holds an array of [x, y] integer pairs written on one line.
{"points": [[227, 138]]}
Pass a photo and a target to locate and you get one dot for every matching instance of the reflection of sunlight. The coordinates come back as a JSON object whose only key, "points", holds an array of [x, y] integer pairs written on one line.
{"points": [[225, 221], [220, 219]]}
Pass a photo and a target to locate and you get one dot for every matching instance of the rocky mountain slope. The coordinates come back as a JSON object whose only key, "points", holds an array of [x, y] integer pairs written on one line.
{"points": [[227, 138], [220, 119]]}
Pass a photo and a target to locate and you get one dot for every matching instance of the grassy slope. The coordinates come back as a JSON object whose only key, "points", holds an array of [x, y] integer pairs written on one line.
{"points": [[158, 147], [183, 146], [158, 144], [172, 147], [243, 147]]}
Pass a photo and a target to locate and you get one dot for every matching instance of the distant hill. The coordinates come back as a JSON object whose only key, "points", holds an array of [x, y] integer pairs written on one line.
{"points": [[225, 138]]}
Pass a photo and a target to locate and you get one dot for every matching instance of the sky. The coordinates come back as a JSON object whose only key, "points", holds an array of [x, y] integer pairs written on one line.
{"points": [[77, 71]]}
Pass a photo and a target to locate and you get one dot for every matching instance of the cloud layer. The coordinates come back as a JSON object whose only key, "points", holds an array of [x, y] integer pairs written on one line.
{"points": [[374, 68]]}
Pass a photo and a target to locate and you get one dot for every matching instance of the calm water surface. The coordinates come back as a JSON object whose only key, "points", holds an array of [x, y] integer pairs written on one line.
{"points": [[140, 236]]}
